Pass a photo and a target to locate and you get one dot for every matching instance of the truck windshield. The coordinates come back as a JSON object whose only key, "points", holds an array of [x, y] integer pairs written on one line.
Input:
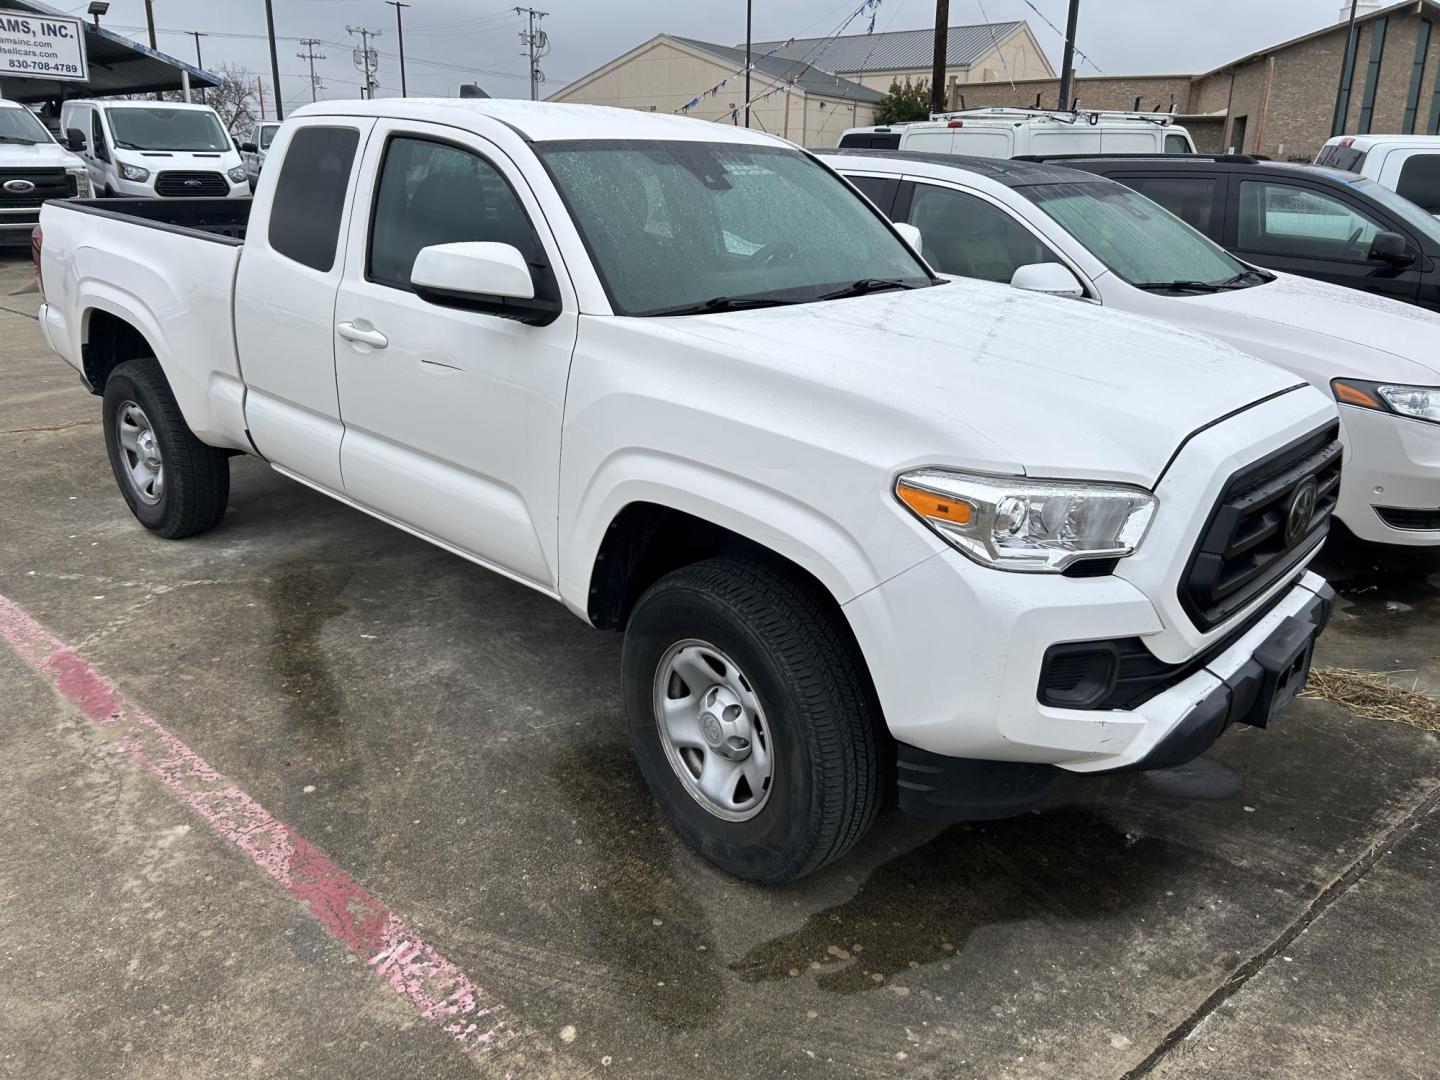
{"points": [[1139, 240], [267, 135], [167, 129], [690, 227], [20, 126]]}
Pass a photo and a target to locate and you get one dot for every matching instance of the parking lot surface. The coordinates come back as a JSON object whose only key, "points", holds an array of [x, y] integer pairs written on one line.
{"points": [[308, 797]]}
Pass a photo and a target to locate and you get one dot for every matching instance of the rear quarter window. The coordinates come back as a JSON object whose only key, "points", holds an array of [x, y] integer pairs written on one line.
{"points": [[309, 200], [1420, 182]]}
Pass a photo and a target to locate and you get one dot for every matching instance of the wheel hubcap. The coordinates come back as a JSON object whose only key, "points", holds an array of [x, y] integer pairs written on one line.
{"points": [[140, 453], [713, 730]]}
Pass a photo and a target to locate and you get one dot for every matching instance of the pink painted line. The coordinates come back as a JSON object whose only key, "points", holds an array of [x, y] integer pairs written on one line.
{"points": [[438, 990]]}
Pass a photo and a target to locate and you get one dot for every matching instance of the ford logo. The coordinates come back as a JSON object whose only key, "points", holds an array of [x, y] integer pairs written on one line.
{"points": [[18, 187], [192, 183]]}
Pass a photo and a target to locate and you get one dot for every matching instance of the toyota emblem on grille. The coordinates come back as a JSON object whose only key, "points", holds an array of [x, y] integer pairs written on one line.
{"points": [[192, 183], [18, 187], [1302, 509]]}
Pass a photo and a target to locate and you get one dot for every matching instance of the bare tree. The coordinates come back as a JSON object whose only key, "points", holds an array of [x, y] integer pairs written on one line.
{"points": [[234, 99]]}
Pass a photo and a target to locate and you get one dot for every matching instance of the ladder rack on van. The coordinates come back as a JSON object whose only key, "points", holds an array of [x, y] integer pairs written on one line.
{"points": [[1062, 116]]}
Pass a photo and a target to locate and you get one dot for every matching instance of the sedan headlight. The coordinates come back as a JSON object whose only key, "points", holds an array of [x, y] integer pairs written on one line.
{"points": [[134, 172], [1416, 402], [1039, 526], [237, 174]]}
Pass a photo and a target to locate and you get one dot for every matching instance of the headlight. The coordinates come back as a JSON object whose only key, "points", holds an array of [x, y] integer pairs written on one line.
{"points": [[1040, 526], [237, 174], [82, 183], [1416, 402], [134, 172]]}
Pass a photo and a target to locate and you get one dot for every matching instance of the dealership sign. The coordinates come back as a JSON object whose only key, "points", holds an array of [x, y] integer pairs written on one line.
{"points": [[42, 46]]}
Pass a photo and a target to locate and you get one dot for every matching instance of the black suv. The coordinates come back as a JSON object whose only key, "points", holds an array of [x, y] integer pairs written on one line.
{"points": [[1301, 219]]}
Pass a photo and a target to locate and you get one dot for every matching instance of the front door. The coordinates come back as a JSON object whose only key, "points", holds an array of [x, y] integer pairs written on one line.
{"points": [[452, 417], [1307, 229]]}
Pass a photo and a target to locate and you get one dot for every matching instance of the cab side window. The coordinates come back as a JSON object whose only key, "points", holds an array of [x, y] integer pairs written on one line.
{"points": [[1177, 144], [1420, 181], [970, 237], [1191, 199], [434, 193], [310, 195], [1283, 219]]}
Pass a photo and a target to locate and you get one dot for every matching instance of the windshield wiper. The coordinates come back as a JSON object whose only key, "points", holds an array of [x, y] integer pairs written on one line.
{"points": [[1177, 286], [870, 285], [1246, 278], [726, 303], [20, 140]]}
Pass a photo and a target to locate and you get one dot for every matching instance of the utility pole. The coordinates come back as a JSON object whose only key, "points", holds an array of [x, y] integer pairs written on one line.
{"points": [[150, 26], [537, 44], [260, 92], [942, 56], [1347, 76], [748, 14], [310, 56], [400, 33], [199, 63], [274, 62], [366, 58], [1067, 64]]}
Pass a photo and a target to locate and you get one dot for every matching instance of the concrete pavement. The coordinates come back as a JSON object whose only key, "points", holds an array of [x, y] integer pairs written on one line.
{"points": [[454, 744]]}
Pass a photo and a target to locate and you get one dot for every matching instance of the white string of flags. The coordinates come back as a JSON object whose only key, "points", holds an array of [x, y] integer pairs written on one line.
{"points": [[872, 7]]}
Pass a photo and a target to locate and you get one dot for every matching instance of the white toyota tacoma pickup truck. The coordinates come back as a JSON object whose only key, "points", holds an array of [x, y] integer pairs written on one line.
{"points": [[871, 536]]}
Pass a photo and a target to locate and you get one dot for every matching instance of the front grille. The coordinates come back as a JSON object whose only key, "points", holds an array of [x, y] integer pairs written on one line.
{"points": [[1414, 520], [190, 185], [49, 184], [1253, 537]]}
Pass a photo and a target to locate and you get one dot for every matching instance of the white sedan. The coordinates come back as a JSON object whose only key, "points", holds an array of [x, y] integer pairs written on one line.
{"points": [[1074, 234]]}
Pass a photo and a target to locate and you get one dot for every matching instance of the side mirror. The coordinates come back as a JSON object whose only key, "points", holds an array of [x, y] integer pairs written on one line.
{"points": [[249, 148], [74, 139], [1049, 278], [910, 234], [478, 276], [1391, 248]]}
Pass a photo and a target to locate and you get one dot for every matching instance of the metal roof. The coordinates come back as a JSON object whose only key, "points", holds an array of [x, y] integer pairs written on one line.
{"points": [[893, 50], [117, 66], [813, 80]]}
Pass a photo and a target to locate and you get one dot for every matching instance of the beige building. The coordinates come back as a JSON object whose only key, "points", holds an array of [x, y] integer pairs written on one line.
{"points": [[809, 89], [1280, 101]]}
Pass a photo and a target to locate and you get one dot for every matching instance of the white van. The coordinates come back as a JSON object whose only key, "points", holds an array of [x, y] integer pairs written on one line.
{"points": [[1008, 133], [1408, 165], [254, 145], [144, 149]]}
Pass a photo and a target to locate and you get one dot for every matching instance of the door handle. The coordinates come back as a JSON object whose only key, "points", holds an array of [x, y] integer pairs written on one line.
{"points": [[350, 332]]}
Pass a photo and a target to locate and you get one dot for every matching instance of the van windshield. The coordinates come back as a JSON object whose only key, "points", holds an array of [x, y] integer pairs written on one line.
{"points": [[682, 228], [1139, 240], [167, 129], [267, 135], [20, 126]]}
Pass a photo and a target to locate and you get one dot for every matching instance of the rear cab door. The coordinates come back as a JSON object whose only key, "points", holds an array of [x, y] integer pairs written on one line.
{"points": [[1289, 222]]}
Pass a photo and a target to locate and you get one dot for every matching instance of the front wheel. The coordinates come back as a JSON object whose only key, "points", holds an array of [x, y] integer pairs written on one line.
{"points": [[751, 719], [174, 484]]}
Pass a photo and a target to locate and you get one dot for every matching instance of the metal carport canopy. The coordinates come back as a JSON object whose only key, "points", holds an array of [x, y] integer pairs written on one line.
{"points": [[117, 66]]}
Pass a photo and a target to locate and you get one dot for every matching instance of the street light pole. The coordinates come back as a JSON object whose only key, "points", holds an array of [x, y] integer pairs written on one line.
{"points": [[199, 63], [747, 62], [400, 34], [274, 62], [941, 59], [1347, 77], [1067, 65]]}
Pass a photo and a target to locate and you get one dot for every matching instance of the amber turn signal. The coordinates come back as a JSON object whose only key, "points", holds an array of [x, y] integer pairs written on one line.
{"points": [[934, 507]]}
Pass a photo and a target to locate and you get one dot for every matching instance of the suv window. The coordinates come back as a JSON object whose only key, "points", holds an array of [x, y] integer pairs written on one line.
{"points": [[871, 140], [970, 237], [1177, 144], [1190, 198], [878, 189], [310, 195], [434, 193], [1283, 219], [1420, 181]]}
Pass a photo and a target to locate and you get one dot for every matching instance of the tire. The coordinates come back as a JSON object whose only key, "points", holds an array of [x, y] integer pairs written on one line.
{"points": [[810, 712], [194, 479]]}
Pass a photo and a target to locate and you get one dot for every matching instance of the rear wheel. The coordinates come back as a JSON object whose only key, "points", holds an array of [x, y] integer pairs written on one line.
{"points": [[174, 484], [751, 719]]}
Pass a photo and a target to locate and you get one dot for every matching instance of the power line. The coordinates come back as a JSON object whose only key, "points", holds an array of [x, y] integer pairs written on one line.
{"points": [[537, 44], [310, 56]]}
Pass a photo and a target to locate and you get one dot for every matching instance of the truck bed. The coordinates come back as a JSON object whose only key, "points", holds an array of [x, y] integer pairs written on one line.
{"points": [[221, 220]]}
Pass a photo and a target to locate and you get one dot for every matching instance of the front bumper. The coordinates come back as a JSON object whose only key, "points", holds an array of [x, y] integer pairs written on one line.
{"points": [[1391, 463]]}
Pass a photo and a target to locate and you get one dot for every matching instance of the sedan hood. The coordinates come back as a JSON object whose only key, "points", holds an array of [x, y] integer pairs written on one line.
{"points": [[1059, 388], [1344, 315], [46, 155]]}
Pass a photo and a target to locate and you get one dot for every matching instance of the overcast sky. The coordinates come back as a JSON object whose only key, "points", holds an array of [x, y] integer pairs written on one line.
{"points": [[452, 41]]}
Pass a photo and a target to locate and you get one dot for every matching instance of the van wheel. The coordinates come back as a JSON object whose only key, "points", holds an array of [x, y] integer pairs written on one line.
{"points": [[174, 484], [751, 719]]}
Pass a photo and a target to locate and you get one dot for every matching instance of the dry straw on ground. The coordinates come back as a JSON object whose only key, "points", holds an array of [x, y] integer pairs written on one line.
{"points": [[1375, 695]]}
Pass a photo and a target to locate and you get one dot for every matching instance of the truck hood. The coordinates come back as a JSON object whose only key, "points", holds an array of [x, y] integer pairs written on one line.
{"points": [[46, 155], [1346, 315], [1063, 389]]}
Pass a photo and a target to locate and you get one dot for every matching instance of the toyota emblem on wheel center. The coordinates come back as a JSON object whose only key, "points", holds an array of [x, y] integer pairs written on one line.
{"points": [[18, 187]]}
